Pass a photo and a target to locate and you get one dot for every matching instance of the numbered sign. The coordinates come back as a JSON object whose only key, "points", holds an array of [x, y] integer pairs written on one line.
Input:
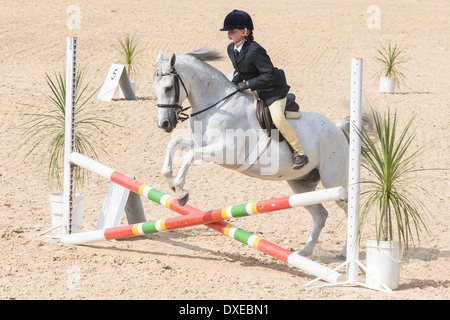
{"points": [[117, 75]]}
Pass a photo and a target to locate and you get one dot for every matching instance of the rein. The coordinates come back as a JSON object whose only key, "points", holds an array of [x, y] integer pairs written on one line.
{"points": [[181, 116]]}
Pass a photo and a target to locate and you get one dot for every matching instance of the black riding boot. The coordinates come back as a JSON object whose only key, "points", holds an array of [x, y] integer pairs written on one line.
{"points": [[300, 160]]}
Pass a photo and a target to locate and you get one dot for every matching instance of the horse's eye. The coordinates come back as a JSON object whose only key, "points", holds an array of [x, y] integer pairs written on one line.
{"points": [[169, 88]]}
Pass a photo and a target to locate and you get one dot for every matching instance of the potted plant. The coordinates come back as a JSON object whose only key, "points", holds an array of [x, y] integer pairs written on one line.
{"points": [[46, 130], [129, 56], [387, 195], [390, 72]]}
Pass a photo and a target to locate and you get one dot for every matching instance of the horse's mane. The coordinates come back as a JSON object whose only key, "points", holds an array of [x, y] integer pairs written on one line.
{"points": [[204, 54]]}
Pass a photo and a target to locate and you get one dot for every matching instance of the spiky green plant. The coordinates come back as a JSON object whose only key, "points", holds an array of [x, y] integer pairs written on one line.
{"points": [[387, 193], [391, 60], [129, 54], [46, 130]]}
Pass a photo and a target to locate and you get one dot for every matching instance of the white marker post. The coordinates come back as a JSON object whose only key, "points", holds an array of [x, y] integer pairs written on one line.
{"points": [[116, 200], [354, 169], [352, 262], [69, 142]]}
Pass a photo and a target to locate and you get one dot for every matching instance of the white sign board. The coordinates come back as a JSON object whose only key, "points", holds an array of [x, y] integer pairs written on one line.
{"points": [[117, 75], [117, 201]]}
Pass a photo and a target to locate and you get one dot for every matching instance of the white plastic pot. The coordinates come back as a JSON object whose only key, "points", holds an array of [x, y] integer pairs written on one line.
{"points": [[387, 84], [383, 261], [56, 209]]}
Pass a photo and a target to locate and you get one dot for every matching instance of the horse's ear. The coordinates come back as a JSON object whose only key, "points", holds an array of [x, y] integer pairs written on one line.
{"points": [[159, 57], [173, 60]]}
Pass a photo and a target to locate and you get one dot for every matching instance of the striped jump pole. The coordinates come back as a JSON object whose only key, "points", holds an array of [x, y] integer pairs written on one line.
{"points": [[278, 252], [238, 234], [194, 219], [296, 200]]}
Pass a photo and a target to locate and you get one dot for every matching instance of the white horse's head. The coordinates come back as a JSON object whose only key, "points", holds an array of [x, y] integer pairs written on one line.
{"points": [[170, 92], [173, 80]]}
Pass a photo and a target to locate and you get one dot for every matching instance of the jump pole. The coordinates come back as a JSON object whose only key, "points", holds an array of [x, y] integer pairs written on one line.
{"points": [[195, 219], [192, 219], [199, 217]]}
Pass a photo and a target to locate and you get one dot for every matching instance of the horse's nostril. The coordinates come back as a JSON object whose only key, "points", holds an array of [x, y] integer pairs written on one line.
{"points": [[165, 124]]}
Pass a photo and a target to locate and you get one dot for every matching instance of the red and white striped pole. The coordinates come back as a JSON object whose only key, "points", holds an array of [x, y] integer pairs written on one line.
{"points": [[193, 219], [220, 226]]}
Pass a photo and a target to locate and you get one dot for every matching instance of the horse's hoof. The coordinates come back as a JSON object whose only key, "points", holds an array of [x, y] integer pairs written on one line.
{"points": [[303, 252], [183, 201]]}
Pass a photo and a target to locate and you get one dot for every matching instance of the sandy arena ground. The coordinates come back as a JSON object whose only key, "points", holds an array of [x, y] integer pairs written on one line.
{"points": [[313, 41]]}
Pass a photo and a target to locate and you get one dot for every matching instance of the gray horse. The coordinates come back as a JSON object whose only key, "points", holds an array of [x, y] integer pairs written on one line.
{"points": [[224, 130]]}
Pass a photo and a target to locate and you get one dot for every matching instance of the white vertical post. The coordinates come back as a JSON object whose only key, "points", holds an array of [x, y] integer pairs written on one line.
{"points": [[354, 171], [352, 262], [69, 142]]}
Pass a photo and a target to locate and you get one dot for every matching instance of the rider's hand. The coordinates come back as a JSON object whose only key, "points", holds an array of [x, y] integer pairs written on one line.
{"points": [[243, 86]]}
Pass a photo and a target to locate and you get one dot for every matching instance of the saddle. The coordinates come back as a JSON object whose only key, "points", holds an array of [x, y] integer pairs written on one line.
{"points": [[265, 120]]}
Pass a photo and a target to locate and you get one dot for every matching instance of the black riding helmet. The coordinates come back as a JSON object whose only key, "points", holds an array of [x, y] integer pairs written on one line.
{"points": [[237, 19]]}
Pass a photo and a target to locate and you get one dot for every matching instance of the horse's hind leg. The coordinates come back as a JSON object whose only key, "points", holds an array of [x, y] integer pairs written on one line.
{"points": [[319, 215], [334, 174], [318, 212], [341, 255]]}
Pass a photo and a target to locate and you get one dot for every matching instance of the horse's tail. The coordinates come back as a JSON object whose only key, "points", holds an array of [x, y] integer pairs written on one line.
{"points": [[368, 123]]}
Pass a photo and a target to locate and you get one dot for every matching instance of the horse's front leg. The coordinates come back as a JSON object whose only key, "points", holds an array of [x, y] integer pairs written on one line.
{"points": [[212, 152], [173, 146]]}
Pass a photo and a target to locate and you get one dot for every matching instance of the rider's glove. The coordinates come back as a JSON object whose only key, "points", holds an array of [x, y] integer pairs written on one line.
{"points": [[243, 86]]}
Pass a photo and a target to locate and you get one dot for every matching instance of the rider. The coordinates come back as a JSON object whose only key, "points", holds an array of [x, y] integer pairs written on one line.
{"points": [[254, 70]]}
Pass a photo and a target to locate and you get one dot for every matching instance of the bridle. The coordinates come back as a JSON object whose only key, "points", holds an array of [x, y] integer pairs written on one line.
{"points": [[178, 108]]}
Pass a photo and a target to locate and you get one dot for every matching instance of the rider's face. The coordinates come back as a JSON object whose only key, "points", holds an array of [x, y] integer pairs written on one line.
{"points": [[236, 35]]}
